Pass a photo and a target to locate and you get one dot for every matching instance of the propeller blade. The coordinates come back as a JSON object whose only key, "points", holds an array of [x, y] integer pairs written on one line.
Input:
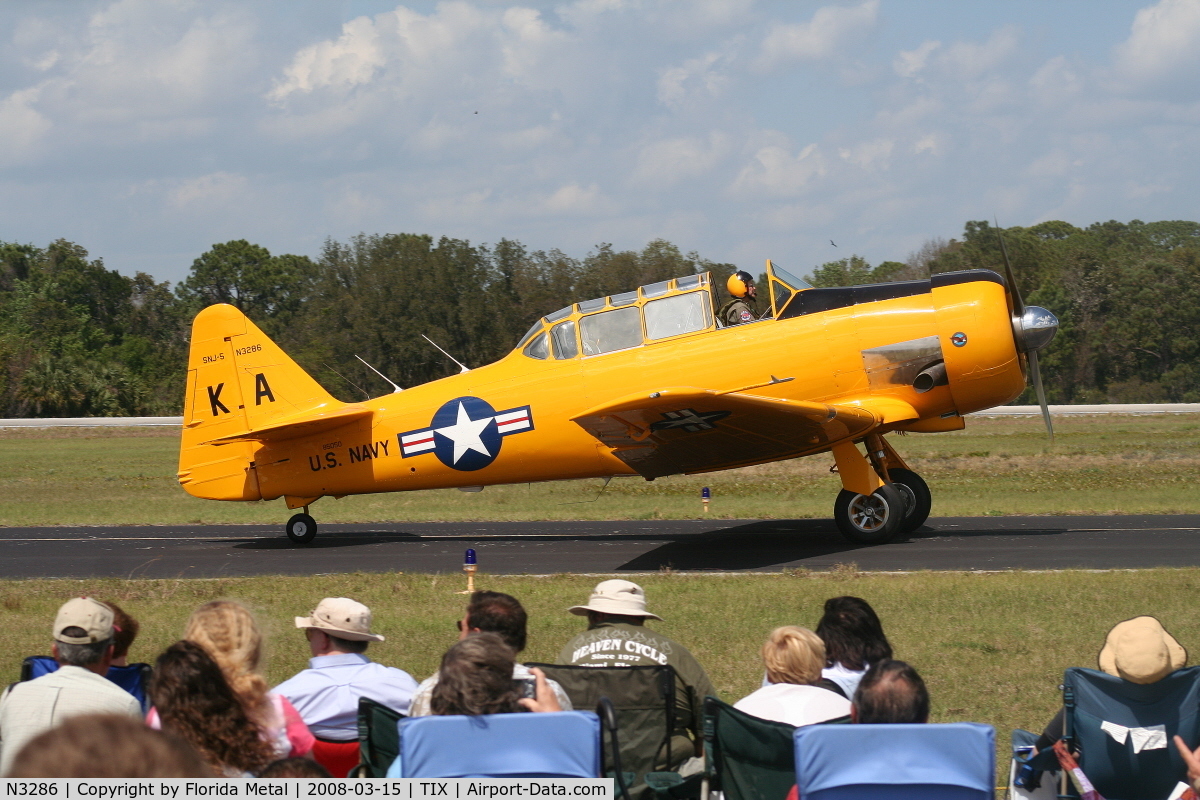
{"points": [[1036, 375], [1018, 306]]}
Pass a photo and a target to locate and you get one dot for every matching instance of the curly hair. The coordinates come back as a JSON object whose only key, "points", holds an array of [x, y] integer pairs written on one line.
{"points": [[228, 632], [196, 703], [476, 677]]}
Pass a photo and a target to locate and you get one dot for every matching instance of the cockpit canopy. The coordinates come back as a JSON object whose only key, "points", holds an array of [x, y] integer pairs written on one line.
{"points": [[650, 313]]}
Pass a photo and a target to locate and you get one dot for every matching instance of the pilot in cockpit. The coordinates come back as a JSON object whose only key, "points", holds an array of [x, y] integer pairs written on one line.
{"points": [[741, 308]]}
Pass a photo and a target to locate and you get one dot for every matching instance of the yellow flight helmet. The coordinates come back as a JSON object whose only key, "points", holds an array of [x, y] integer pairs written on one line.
{"points": [[739, 283]]}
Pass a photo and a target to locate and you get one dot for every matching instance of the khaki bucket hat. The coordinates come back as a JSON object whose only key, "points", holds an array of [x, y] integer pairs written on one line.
{"points": [[1141, 651], [616, 597], [343, 618]]}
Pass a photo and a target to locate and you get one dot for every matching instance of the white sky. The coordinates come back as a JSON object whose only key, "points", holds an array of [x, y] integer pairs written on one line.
{"points": [[148, 130]]}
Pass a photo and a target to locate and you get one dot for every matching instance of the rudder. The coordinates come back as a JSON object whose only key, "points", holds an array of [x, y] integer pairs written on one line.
{"points": [[239, 382]]}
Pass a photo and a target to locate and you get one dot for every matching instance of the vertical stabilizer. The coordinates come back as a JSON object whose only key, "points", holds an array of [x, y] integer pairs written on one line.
{"points": [[239, 382]]}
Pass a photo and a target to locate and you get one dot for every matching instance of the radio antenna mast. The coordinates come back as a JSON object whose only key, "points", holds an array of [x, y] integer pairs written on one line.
{"points": [[395, 388], [447, 355]]}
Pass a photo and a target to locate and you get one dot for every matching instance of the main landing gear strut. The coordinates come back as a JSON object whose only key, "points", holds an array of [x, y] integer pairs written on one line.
{"points": [[881, 497]]}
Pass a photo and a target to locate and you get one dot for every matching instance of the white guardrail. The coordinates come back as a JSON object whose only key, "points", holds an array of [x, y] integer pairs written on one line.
{"points": [[999, 411]]}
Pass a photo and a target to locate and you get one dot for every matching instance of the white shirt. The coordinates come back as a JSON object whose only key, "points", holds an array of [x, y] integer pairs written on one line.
{"points": [[326, 694], [794, 704], [848, 679], [35, 706]]}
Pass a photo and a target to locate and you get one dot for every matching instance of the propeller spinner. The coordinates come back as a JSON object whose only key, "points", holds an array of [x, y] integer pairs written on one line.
{"points": [[1033, 328]]}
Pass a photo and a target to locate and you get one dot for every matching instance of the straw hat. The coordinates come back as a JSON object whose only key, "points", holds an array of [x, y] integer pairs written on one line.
{"points": [[1141, 651]]}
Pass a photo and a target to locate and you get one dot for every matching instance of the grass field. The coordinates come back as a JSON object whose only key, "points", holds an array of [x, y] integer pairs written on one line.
{"points": [[1103, 465], [991, 647]]}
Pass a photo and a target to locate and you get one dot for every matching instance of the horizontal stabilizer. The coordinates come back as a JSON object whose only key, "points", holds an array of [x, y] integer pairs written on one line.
{"points": [[310, 423]]}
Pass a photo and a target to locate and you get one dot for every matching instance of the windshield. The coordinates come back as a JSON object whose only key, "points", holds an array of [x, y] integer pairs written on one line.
{"points": [[783, 276]]}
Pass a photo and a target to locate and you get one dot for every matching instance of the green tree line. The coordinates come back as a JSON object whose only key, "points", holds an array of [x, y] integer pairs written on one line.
{"points": [[78, 339]]}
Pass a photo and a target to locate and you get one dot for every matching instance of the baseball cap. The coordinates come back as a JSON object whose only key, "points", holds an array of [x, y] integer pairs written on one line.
{"points": [[92, 616]]}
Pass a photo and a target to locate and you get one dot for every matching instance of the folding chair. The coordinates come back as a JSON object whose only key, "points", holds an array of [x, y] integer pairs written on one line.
{"points": [[950, 761], [747, 758], [378, 739], [1122, 732], [562, 744], [133, 678], [645, 700]]}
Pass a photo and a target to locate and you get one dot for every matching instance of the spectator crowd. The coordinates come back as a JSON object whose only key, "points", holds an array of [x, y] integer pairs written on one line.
{"points": [[203, 709]]}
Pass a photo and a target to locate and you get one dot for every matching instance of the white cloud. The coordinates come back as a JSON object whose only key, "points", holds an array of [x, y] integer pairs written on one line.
{"points": [[1056, 82], [349, 61], [213, 191], [695, 79], [969, 60], [868, 155], [1163, 46], [666, 162], [819, 38], [22, 126], [574, 199], [774, 170], [910, 62]]}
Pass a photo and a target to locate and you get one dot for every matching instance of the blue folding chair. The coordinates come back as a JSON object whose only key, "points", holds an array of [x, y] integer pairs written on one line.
{"points": [[949, 761], [133, 678], [1118, 769], [563, 744]]}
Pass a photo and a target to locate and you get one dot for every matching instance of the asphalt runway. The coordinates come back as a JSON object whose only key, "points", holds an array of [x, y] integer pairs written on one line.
{"points": [[955, 543]]}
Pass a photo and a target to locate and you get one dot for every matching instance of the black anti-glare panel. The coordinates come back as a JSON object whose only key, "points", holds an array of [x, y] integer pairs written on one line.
{"points": [[814, 301]]}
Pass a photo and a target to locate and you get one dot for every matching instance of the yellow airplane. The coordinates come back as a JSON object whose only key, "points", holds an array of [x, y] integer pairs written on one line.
{"points": [[646, 383]]}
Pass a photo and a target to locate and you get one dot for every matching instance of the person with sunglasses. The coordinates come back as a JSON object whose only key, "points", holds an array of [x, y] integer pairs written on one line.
{"points": [[503, 615]]}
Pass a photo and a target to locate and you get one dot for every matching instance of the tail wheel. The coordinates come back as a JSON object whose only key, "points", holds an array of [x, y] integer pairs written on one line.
{"points": [[301, 529], [917, 498], [870, 519]]}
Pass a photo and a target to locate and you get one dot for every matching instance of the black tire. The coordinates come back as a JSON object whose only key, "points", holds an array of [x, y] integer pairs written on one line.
{"points": [[917, 498], [870, 519], [301, 529]]}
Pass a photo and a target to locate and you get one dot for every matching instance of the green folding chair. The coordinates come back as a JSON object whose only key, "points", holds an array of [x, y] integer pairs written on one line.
{"points": [[651, 737], [746, 757], [378, 739]]}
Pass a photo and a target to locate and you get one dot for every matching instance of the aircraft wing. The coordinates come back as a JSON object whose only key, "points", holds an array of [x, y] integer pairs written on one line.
{"points": [[686, 430]]}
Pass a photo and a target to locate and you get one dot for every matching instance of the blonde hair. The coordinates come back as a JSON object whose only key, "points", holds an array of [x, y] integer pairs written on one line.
{"points": [[793, 655], [227, 632]]}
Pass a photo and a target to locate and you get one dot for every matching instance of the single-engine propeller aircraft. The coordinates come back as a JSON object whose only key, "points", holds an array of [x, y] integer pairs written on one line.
{"points": [[646, 383]]}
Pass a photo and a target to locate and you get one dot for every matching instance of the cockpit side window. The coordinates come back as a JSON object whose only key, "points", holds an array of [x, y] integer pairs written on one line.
{"points": [[563, 335], [683, 313], [538, 348], [611, 330]]}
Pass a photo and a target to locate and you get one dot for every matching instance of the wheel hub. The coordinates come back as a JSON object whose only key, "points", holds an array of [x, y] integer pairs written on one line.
{"points": [[868, 512]]}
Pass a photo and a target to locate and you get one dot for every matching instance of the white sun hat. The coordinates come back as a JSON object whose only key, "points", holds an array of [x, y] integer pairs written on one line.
{"points": [[342, 618], [616, 597]]}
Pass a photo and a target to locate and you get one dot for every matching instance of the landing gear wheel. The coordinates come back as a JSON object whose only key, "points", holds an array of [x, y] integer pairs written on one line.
{"points": [[870, 519], [917, 499], [301, 529]]}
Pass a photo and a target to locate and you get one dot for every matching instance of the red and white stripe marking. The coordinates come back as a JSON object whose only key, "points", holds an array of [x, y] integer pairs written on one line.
{"points": [[513, 421], [417, 442]]}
